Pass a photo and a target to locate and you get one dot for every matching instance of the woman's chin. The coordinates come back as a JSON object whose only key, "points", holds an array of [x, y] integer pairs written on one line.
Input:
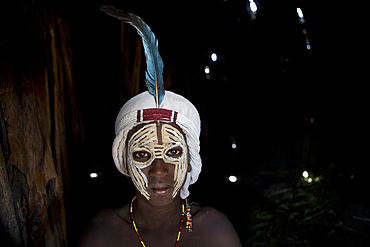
{"points": [[161, 197]]}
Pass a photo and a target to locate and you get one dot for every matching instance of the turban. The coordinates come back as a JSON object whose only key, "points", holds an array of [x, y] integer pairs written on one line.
{"points": [[173, 108]]}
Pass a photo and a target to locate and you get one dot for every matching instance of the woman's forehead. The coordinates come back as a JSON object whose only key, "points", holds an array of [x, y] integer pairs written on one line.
{"points": [[159, 123]]}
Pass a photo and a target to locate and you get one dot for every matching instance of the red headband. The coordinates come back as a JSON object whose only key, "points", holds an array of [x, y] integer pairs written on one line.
{"points": [[153, 114]]}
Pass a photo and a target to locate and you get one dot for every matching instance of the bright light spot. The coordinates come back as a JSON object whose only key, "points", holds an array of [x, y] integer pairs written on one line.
{"points": [[317, 179], [299, 12], [308, 47], [93, 175], [232, 179], [206, 70], [253, 6], [214, 57], [309, 180], [233, 146], [305, 174]]}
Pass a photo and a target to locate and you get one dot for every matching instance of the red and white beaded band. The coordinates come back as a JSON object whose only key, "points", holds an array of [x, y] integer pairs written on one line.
{"points": [[153, 114]]}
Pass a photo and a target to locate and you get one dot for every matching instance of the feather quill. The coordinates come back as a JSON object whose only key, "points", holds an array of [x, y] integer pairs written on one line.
{"points": [[153, 76]]}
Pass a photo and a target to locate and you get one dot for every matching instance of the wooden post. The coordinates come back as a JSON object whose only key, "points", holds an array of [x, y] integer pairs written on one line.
{"points": [[8, 216], [39, 117]]}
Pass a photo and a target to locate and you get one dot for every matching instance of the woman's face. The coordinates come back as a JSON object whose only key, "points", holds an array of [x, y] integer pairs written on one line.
{"points": [[157, 159]]}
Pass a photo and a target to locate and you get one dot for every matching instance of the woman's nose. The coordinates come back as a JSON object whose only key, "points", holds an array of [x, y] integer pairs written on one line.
{"points": [[158, 168]]}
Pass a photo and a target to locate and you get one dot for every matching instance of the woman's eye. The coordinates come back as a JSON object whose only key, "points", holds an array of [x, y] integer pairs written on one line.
{"points": [[141, 156], [174, 152]]}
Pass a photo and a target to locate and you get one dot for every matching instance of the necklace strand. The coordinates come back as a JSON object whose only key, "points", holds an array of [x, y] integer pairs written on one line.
{"points": [[137, 232]]}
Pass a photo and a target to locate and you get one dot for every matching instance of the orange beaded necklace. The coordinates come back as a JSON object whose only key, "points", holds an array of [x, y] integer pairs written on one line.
{"points": [[137, 232]]}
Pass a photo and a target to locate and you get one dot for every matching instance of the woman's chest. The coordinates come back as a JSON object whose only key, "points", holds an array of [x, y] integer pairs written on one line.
{"points": [[129, 237]]}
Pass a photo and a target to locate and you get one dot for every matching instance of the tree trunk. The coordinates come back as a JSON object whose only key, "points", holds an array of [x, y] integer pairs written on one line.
{"points": [[39, 116]]}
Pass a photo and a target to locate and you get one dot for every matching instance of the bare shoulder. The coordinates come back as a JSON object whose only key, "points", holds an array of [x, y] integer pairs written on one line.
{"points": [[211, 217], [215, 226], [108, 226]]}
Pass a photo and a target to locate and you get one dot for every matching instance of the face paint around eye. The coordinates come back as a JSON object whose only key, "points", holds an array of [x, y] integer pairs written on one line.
{"points": [[140, 144], [176, 141], [144, 148]]}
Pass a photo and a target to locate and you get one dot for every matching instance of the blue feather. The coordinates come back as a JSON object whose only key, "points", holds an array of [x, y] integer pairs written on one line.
{"points": [[153, 76]]}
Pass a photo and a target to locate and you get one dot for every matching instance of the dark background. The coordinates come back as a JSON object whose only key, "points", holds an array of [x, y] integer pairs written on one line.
{"points": [[262, 93]]}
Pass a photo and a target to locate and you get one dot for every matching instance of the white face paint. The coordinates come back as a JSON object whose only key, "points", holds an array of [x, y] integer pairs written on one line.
{"points": [[143, 148]]}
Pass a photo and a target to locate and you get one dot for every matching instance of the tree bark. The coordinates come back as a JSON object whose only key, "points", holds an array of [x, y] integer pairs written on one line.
{"points": [[8, 216], [39, 117]]}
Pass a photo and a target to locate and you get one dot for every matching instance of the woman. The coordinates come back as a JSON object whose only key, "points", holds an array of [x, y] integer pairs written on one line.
{"points": [[157, 146]]}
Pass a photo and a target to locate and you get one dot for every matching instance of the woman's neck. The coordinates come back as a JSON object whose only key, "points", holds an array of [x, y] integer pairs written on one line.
{"points": [[157, 217]]}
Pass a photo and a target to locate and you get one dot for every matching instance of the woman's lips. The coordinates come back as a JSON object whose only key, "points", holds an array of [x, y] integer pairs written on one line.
{"points": [[160, 190]]}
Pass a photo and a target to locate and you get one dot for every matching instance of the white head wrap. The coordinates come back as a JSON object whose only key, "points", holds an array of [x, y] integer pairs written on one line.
{"points": [[187, 117]]}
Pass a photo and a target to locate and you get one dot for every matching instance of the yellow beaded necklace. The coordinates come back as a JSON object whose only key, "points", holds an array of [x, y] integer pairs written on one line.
{"points": [[137, 232]]}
